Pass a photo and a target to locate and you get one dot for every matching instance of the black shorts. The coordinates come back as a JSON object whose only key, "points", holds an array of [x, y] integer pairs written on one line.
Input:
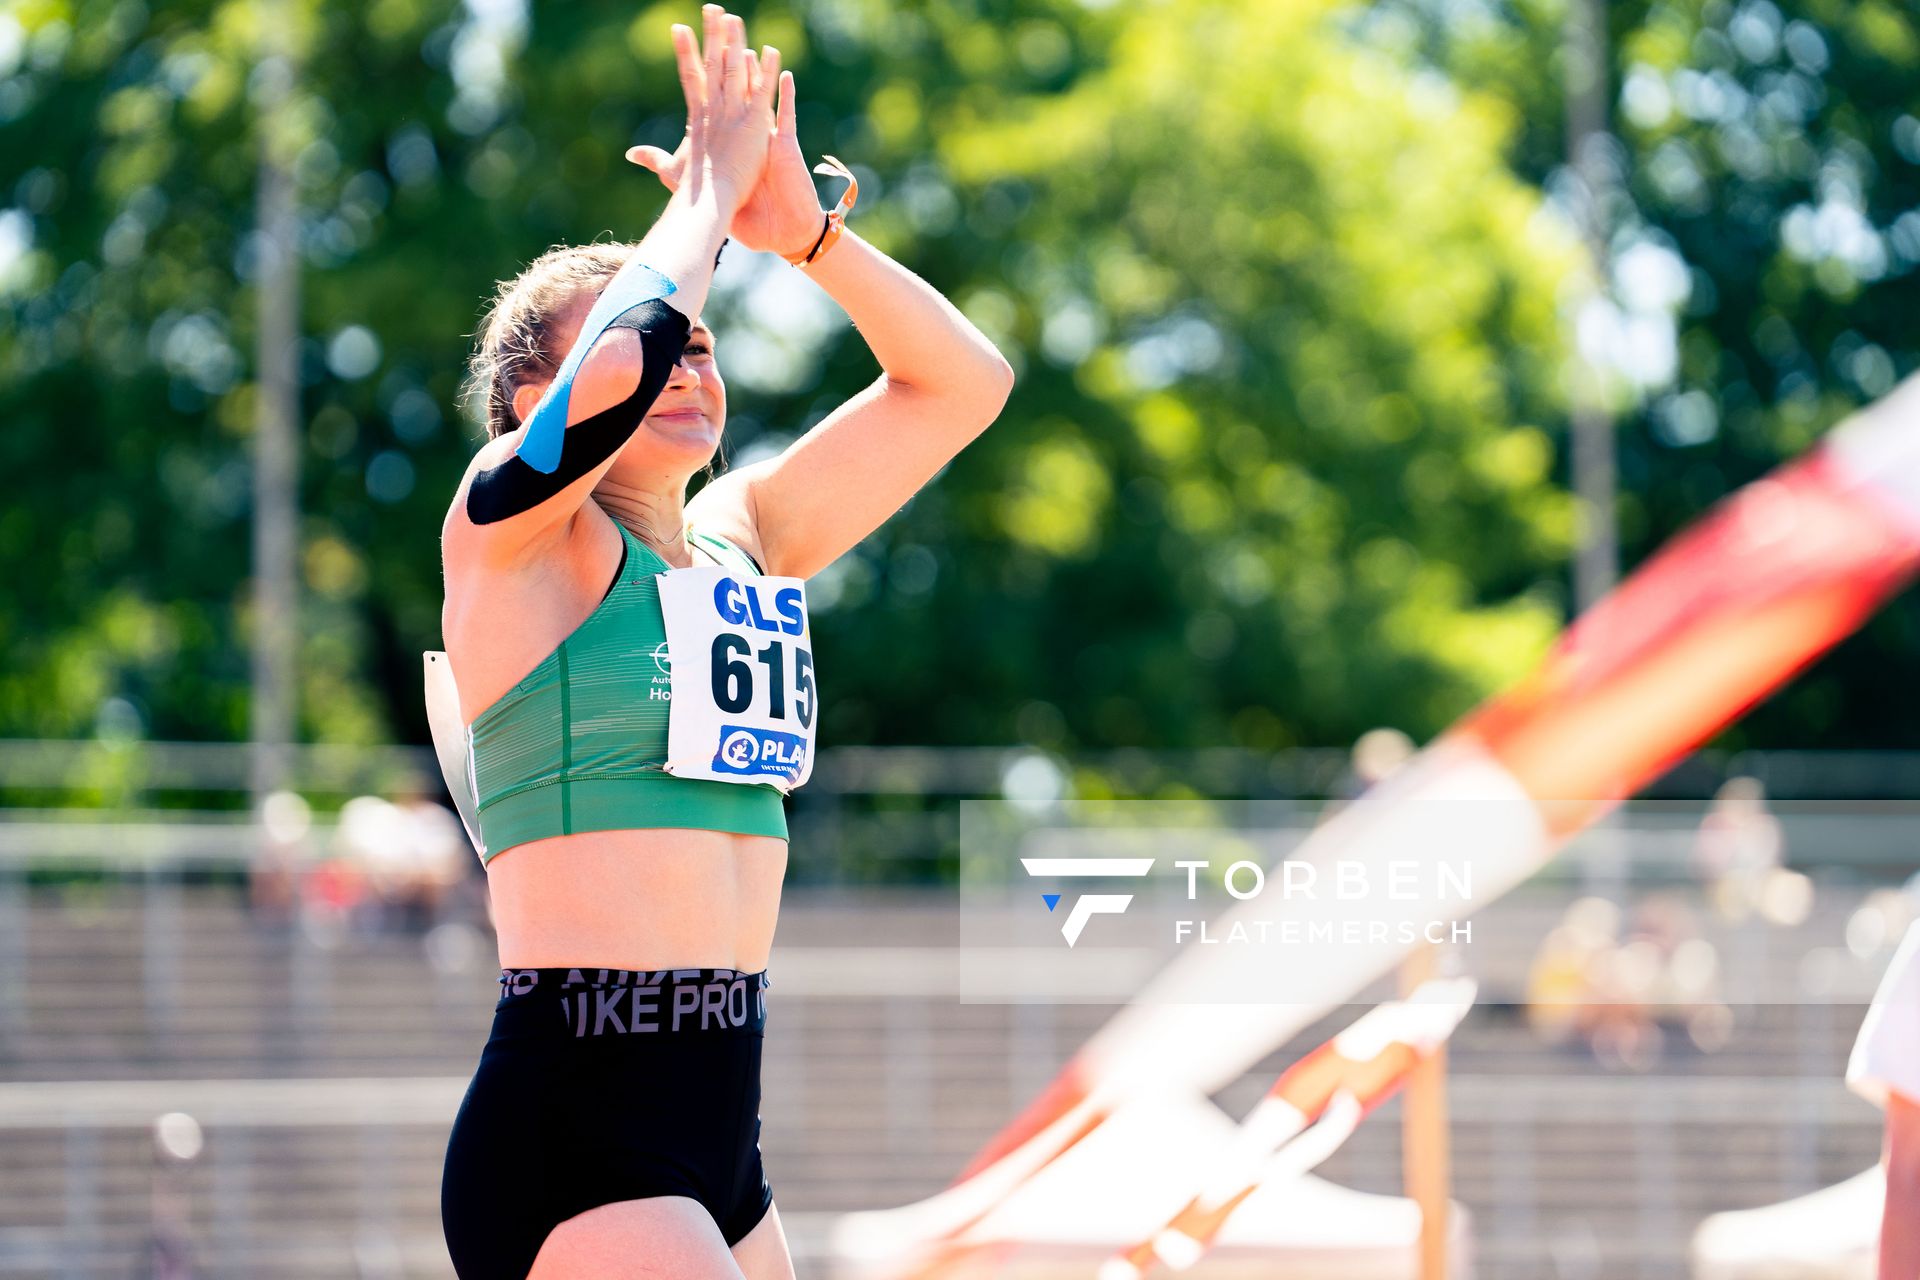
{"points": [[602, 1085]]}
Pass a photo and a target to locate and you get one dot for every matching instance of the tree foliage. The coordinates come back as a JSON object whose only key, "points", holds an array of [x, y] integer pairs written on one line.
{"points": [[1276, 469], [1764, 188], [1279, 467]]}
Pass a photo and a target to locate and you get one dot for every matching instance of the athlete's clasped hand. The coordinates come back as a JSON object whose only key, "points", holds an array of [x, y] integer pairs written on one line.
{"points": [[729, 94], [780, 211]]}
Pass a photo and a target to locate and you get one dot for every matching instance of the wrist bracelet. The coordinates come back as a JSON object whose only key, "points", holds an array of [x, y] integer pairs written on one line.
{"points": [[836, 219], [801, 260]]}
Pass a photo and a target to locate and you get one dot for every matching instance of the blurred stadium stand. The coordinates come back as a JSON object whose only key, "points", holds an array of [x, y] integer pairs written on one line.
{"points": [[137, 979]]}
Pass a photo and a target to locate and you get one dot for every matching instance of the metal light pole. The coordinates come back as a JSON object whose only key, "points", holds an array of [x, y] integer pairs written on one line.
{"points": [[276, 444], [1596, 565], [1596, 559]]}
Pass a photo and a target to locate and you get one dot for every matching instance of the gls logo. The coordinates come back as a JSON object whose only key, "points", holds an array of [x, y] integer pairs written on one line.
{"points": [[1091, 904]]}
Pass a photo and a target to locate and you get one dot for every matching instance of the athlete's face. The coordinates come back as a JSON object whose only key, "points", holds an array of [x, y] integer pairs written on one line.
{"points": [[682, 430]]}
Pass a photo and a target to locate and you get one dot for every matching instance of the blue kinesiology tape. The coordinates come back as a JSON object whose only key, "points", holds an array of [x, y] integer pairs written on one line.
{"points": [[547, 425]]}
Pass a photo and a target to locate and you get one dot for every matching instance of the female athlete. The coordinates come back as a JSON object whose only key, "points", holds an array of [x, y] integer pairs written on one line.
{"points": [[636, 690]]}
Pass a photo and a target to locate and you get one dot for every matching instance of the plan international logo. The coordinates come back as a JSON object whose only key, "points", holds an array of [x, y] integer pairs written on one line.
{"points": [[1091, 904]]}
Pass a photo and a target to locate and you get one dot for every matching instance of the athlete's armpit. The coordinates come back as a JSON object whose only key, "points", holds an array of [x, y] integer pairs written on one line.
{"points": [[514, 487]]}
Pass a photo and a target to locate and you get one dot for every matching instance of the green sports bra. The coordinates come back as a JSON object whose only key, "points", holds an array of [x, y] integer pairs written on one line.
{"points": [[580, 743]]}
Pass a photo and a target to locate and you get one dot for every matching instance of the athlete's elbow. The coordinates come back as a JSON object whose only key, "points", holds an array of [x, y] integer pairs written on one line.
{"points": [[991, 387], [1001, 378]]}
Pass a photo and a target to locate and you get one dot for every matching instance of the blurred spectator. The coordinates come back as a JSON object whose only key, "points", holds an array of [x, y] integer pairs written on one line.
{"points": [[273, 877], [177, 1142], [334, 888], [1682, 989], [1880, 921], [1566, 967], [1738, 849], [1376, 754], [408, 853], [1623, 996], [437, 855]]}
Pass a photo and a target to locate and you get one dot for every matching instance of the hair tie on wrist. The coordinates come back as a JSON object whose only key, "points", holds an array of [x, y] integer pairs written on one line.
{"points": [[800, 260], [836, 220]]}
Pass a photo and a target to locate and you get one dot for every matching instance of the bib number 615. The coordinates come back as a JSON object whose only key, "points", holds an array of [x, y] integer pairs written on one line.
{"points": [[733, 662]]}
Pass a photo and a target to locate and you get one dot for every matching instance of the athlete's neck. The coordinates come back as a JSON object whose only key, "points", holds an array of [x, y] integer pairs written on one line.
{"points": [[656, 517]]}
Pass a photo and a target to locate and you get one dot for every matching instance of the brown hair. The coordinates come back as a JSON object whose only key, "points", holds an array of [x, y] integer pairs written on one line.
{"points": [[513, 347]]}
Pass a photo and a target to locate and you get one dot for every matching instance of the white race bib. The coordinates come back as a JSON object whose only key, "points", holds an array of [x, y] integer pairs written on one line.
{"points": [[744, 705]]}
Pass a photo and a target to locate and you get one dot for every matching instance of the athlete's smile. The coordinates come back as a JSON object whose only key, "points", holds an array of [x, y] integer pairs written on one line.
{"points": [[678, 415]]}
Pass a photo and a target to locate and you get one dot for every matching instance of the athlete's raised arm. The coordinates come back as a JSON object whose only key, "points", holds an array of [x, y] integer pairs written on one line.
{"points": [[942, 381], [525, 487]]}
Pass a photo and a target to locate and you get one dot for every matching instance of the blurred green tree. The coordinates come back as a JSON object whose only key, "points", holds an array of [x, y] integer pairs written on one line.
{"points": [[1277, 470], [1764, 215]]}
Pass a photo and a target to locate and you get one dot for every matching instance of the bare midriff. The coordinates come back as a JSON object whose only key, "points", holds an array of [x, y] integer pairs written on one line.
{"points": [[642, 899]]}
